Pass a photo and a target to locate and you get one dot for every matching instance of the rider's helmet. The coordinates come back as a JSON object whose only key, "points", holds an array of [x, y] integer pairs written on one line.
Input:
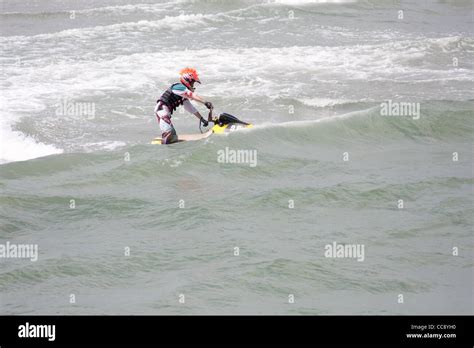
{"points": [[188, 76]]}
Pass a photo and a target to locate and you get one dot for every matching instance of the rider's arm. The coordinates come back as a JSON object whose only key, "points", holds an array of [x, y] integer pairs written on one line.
{"points": [[189, 95], [189, 107], [186, 93], [193, 96], [208, 105], [198, 98]]}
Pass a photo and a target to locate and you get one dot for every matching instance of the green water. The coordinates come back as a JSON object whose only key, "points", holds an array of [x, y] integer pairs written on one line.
{"points": [[127, 227], [182, 213]]}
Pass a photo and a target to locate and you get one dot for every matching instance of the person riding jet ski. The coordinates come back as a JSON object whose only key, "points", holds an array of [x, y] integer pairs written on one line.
{"points": [[178, 94]]}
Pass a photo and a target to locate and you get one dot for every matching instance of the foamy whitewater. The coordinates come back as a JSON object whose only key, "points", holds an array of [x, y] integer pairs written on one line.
{"points": [[127, 226]]}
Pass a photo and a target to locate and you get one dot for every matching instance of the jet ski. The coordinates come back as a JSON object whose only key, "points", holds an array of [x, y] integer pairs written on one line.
{"points": [[225, 123]]}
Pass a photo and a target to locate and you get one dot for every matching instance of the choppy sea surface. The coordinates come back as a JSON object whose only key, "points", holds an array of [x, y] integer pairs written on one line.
{"points": [[311, 76]]}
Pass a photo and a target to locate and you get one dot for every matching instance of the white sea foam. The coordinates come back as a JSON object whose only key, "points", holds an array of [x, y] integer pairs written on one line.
{"points": [[306, 123], [103, 145], [226, 73], [324, 102], [249, 70], [125, 9], [16, 146], [112, 30], [305, 2], [119, 10]]}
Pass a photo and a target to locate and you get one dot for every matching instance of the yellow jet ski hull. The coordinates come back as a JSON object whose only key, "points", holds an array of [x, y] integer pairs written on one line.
{"points": [[226, 128], [216, 129], [226, 123]]}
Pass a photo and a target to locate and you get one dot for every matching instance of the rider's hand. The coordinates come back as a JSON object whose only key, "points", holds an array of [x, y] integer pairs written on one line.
{"points": [[209, 105], [204, 122]]}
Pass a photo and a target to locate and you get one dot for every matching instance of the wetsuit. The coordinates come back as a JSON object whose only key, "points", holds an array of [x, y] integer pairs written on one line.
{"points": [[171, 99]]}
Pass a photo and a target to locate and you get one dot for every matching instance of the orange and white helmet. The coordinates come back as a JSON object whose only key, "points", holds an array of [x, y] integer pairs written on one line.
{"points": [[188, 76]]}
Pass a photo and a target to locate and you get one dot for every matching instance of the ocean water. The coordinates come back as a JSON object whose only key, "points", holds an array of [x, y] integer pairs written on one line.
{"points": [[129, 228]]}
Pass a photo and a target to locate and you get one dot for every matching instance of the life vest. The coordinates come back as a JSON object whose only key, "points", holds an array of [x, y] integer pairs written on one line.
{"points": [[171, 100]]}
